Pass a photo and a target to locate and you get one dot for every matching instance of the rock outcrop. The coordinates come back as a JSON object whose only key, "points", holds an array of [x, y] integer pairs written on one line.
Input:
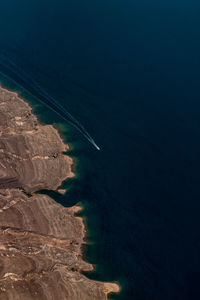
{"points": [[40, 241]]}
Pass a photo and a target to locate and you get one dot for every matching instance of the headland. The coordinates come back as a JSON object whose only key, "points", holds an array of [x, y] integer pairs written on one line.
{"points": [[40, 240]]}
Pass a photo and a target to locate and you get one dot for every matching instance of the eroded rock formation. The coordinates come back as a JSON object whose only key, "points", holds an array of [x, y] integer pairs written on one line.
{"points": [[40, 241]]}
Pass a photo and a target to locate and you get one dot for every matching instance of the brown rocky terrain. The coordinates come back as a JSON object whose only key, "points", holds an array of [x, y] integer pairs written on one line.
{"points": [[40, 241]]}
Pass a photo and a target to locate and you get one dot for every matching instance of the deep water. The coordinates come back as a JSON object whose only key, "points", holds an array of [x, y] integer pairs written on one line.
{"points": [[129, 71]]}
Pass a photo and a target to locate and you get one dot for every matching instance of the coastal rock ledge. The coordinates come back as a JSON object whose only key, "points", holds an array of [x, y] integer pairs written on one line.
{"points": [[40, 240]]}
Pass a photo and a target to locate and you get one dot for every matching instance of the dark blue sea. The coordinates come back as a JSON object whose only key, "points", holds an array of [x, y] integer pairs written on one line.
{"points": [[129, 72]]}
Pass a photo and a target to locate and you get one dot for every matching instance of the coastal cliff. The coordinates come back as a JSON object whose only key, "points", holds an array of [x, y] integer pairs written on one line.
{"points": [[40, 240]]}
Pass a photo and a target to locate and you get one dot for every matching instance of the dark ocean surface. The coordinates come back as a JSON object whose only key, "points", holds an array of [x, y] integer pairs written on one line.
{"points": [[129, 71]]}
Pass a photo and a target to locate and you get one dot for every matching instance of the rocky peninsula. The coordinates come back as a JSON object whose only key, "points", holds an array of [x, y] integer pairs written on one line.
{"points": [[40, 240]]}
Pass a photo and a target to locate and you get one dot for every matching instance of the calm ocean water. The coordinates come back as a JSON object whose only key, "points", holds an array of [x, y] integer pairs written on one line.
{"points": [[129, 72]]}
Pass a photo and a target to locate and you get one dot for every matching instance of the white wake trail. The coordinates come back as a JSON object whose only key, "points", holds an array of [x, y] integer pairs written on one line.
{"points": [[52, 103]]}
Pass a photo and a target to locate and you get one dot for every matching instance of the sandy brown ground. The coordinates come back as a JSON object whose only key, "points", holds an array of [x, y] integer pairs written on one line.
{"points": [[40, 241]]}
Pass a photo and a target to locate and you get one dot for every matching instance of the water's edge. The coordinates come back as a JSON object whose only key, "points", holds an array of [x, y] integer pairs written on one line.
{"points": [[9, 84]]}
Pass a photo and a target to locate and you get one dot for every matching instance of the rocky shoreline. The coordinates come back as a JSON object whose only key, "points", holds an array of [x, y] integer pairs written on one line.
{"points": [[40, 243]]}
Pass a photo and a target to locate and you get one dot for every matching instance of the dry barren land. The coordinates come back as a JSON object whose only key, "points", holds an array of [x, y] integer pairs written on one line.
{"points": [[40, 241]]}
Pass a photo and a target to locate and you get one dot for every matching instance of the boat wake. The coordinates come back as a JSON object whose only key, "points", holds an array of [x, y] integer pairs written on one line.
{"points": [[43, 95]]}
